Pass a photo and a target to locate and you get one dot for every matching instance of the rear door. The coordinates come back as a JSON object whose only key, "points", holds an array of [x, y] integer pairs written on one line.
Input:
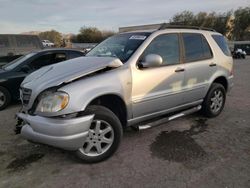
{"points": [[199, 66]]}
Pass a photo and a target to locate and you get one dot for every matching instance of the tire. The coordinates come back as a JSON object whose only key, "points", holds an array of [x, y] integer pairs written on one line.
{"points": [[108, 121], [5, 98], [212, 105]]}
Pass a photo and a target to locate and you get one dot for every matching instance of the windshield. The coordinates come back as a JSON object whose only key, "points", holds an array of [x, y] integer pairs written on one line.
{"points": [[13, 64], [121, 46]]}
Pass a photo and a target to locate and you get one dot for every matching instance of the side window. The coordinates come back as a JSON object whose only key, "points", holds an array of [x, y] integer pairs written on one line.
{"points": [[47, 59], [73, 54], [221, 41], [167, 46], [41, 61], [196, 47], [58, 57]]}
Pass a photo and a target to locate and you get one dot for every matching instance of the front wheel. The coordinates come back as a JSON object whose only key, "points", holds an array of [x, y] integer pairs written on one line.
{"points": [[214, 101], [104, 136]]}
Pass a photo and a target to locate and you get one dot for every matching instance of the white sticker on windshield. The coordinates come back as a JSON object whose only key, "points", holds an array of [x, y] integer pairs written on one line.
{"points": [[137, 37]]}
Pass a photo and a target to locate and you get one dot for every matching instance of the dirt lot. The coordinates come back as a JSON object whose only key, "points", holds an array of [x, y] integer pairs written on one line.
{"points": [[189, 152]]}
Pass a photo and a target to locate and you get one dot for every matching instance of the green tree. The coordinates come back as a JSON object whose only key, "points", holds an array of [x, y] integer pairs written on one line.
{"points": [[203, 19], [183, 18], [106, 34], [221, 22], [91, 35], [53, 36], [241, 23]]}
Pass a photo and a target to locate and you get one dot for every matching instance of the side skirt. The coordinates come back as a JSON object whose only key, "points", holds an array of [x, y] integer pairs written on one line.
{"points": [[161, 113]]}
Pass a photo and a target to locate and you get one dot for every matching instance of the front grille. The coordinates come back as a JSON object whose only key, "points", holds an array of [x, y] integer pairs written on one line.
{"points": [[25, 95]]}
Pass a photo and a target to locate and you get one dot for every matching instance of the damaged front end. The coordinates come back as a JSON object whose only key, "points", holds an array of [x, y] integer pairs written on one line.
{"points": [[45, 98]]}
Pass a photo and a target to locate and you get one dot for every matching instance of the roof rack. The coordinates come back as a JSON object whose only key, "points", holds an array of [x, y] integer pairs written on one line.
{"points": [[170, 26], [160, 27]]}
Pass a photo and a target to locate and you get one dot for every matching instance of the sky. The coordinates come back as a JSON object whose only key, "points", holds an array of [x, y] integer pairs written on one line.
{"points": [[17, 16]]}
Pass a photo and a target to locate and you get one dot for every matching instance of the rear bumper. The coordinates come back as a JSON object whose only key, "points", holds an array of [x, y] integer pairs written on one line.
{"points": [[68, 134]]}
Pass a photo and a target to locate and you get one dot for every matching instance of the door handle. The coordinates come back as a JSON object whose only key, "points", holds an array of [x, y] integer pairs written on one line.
{"points": [[179, 69], [212, 65]]}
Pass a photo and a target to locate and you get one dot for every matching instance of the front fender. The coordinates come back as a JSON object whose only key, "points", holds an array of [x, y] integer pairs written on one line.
{"points": [[85, 90]]}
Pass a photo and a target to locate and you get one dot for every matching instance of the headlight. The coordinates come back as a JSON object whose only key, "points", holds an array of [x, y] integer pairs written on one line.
{"points": [[53, 102]]}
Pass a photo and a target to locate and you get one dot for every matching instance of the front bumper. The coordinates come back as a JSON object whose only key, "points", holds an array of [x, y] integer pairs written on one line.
{"points": [[69, 134]]}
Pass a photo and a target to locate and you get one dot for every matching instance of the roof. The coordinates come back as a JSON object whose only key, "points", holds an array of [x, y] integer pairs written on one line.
{"points": [[161, 26], [59, 49], [56, 49], [149, 27]]}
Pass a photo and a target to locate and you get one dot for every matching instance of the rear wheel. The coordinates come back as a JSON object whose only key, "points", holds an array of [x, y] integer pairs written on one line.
{"points": [[104, 136], [5, 98], [214, 101]]}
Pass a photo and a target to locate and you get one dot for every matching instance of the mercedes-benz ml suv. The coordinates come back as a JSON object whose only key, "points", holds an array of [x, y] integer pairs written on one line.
{"points": [[129, 78]]}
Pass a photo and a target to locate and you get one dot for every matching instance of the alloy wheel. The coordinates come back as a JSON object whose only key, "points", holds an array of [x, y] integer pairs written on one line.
{"points": [[99, 140], [217, 101]]}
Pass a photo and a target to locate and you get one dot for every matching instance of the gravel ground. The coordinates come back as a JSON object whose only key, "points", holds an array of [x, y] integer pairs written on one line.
{"points": [[189, 152]]}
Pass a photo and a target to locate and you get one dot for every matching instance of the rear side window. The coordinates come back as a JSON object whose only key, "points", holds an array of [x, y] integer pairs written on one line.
{"points": [[73, 54], [47, 59], [196, 47], [221, 41]]}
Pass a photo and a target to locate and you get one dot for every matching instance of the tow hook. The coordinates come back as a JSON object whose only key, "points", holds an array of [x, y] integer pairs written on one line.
{"points": [[19, 126]]}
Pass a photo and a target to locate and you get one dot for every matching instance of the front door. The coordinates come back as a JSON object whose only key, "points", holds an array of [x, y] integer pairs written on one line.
{"points": [[159, 88]]}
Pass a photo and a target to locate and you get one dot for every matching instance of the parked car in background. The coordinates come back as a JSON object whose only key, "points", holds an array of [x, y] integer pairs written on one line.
{"points": [[13, 46], [47, 43], [130, 78], [13, 73], [239, 53]]}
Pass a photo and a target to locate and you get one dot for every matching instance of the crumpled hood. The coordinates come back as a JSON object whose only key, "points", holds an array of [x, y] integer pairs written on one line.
{"points": [[67, 71]]}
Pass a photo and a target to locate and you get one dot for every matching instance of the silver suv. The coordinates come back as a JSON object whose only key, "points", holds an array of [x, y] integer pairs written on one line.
{"points": [[127, 79]]}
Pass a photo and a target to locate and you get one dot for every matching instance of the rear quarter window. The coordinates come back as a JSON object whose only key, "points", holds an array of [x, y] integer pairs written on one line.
{"points": [[73, 54], [196, 47], [222, 43]]}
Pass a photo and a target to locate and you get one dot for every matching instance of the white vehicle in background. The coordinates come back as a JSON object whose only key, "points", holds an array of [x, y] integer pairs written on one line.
{"points": [[47, 43]]}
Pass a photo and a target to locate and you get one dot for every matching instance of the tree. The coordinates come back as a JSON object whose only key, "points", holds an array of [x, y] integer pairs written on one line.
{"points": [[91, 35], [183, 18], [241, 23], [222, 23], [106, 34], [53, 36], [203, 19]]}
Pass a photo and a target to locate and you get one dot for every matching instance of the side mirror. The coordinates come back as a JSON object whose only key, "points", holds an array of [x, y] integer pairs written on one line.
{"points": [[25, 69], [151, 60]]}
